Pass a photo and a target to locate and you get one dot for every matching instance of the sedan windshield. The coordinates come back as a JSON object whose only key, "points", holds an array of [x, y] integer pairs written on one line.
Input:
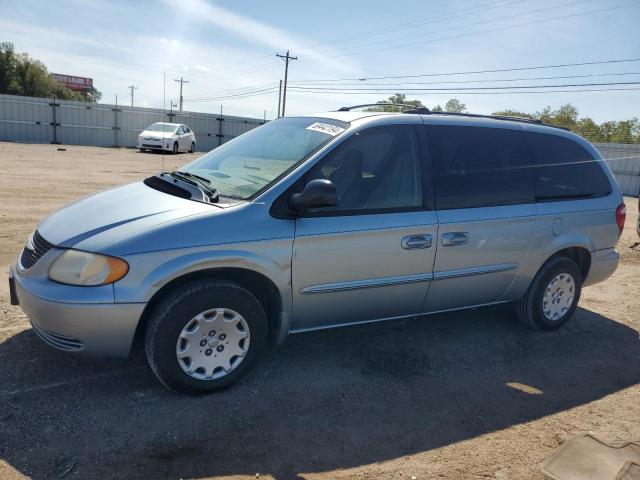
{"points": [[248, 164], [161, 127]]}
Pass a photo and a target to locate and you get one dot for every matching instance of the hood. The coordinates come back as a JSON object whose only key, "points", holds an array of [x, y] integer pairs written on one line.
{"points": [[149, 134], [123, 211]]}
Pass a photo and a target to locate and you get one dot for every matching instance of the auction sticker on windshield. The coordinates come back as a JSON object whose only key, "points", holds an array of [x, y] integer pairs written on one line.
{"points": [[327, 128]]}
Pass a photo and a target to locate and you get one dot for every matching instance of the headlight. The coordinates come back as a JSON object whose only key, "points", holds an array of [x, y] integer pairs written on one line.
{"points": [[75, 267]]}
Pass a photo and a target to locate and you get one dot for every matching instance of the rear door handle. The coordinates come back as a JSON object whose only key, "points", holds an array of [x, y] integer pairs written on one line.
{"points": [[414, 242], [453, 239]]}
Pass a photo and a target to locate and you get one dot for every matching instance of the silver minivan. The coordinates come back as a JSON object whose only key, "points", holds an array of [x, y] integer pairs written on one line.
{"points": [[320, 221]]}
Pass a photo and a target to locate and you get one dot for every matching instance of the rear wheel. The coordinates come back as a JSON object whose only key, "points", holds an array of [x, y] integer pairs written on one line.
{"points": [[553, 295], [205, 336]]}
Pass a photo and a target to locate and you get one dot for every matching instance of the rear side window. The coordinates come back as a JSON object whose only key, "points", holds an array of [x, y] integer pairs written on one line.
{"points": [[563, 169], [479, 167]]}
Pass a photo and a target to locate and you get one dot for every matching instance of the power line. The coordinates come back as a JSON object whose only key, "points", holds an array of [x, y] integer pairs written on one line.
{"points": [[534, 22], [462, 89], [447, 29], [241, 95], [480, 81], [181, 82], [474, 72], [231, 90], [422, 21], [476, 93], [287, 58]]}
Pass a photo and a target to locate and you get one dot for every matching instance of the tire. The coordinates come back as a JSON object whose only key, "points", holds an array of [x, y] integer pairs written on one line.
{"points": [[193, 147], [530, 309], [171, 318], [142, 150], [175, 148]]}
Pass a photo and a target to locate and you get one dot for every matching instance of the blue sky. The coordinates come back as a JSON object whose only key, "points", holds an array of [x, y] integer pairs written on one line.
{"points": [[227, 48]]}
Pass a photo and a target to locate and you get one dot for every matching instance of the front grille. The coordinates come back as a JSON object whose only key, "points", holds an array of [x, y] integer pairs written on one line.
{"points": [[40, 247], [55, 340]]}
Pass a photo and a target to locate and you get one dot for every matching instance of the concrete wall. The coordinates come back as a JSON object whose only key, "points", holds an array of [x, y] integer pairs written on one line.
{"points": [[40, 120]]}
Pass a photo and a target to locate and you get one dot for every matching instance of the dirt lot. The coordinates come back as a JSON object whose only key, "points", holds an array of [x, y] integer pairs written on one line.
{"points": [[470, 395]]}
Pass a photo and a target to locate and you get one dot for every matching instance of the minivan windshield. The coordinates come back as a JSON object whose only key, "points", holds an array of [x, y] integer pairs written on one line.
{"points": [[161, 127], [247, 164]]}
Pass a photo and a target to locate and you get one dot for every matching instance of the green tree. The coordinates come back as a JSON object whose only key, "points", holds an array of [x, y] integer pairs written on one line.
{"points": [[455, 106], [513, 113], [437, 108], [397, 99], [589, 130], [22, 75]]}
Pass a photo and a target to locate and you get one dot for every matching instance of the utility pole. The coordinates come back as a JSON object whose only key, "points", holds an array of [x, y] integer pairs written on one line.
{"points": [[132, 88], [181, 82], [279, 99], [286, 59]]}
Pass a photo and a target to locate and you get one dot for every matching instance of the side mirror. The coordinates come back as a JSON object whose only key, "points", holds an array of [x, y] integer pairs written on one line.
{"points": [[316, 194]]}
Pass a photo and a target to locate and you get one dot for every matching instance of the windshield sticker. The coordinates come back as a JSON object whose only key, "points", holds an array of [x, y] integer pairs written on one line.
{"points": [[327, 128]]}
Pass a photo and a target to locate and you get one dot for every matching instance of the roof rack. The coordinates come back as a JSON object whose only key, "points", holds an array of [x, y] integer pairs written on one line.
{"points": [[501, 117], [411, 108], [426, 111]]}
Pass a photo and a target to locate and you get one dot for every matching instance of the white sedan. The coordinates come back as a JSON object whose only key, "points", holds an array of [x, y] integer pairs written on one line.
{"points": [[174, 137]]}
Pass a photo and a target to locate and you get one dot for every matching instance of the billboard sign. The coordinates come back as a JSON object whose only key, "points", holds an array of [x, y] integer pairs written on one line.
{"points": [[78, 84]]}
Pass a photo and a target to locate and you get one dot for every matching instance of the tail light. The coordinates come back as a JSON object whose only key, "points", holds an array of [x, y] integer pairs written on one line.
{"points": [[621, 215]]}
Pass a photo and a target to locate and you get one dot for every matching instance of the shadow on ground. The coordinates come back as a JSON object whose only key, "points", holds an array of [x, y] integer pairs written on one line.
{"points": [[323, 401]]}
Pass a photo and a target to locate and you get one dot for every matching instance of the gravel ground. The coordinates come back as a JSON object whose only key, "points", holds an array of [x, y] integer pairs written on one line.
{"points": [[469, 395]]}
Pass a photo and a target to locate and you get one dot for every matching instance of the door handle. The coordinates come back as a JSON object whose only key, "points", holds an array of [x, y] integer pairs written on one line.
{"points": [[414, 242], [453, 239]]}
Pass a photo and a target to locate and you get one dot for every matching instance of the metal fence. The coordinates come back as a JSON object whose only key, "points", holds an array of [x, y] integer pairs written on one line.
{"points": [[46, 120], [624, 160]]}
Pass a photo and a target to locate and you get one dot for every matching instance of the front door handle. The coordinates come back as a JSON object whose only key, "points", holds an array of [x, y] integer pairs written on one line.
{"points": [[413, 242], [453, 239]]}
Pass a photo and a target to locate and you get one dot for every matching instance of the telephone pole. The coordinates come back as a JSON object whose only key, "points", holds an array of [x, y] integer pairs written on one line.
{"points": [[132, 88], [279, 98], [181, 82], [286, 59]]}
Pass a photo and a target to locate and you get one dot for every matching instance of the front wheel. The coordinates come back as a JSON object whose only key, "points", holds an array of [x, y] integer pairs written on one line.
{"points": [[142, 150], [193, 147], [553, 295], [205, 336], [175, 148]]}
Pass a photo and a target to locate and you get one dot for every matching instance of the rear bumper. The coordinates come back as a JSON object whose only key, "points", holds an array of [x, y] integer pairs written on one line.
{"points": [[101, 329], [603, 264]]}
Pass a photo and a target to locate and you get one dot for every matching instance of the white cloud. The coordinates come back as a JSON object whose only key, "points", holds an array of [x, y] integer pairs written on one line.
{"points": [[258, 32]]}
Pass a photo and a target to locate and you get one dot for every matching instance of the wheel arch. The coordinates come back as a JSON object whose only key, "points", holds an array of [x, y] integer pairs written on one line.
{"points": [[264, 289], [579, 254]]}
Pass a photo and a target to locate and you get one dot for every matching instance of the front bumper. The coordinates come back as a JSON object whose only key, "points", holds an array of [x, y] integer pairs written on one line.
{"points": [[102, 329], [155, 144]]}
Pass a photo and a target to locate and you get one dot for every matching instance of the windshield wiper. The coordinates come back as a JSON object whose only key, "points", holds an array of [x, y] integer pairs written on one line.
{"points": [[201, 182]]}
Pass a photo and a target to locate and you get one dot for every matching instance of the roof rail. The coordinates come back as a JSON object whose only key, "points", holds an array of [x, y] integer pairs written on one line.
{"points": [[426, 111], [411, 108], [500, 117]]}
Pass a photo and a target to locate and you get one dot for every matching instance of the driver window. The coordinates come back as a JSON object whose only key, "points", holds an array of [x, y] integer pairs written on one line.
{"points": [[375, 169]]}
